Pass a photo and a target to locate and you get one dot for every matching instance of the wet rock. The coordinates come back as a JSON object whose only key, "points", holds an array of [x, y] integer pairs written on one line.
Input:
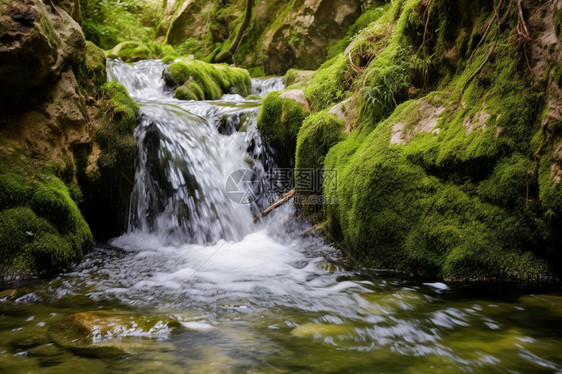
{"points": [[29, 340], [7, 295], [108, 333]]}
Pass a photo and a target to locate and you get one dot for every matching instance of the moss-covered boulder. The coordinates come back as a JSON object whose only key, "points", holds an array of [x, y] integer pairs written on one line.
{"points": [[279, 122], [41, 227], [37, 46], [109, 333], [198, 80], [131, 51]]}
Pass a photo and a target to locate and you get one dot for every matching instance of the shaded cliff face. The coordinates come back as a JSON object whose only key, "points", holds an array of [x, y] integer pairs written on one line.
{"points": [[448, 158], [54, 134], [282, 35]]}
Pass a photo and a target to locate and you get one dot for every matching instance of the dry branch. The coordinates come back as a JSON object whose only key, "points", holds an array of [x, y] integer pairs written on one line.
{"points": [[276, 205]]}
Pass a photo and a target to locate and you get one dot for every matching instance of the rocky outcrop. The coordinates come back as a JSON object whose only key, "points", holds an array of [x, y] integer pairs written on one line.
{"points": [[50, 121], [281, 35], [38, 44], [300, 38]]}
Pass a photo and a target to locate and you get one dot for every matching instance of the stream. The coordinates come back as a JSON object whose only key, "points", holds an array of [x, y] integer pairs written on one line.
{"points": [[259, 298]]}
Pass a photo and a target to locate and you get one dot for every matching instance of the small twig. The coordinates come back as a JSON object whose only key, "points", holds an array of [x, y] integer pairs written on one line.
{"points": [[280, 202]]}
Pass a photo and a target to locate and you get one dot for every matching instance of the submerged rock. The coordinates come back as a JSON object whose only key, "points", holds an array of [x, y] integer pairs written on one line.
{"points": [[312, 330], [104, 333]]}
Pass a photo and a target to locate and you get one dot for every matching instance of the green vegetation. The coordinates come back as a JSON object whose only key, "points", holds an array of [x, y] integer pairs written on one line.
{"points": [[319, 132], [108, 23], [198, 80], [279, 122], [439, 176]]}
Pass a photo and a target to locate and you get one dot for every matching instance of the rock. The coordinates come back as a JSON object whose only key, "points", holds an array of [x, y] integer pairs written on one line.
{"points": [[301, 37], [28, 340], [346, 111], [131, 51], [37, 45], [103, 333], [188, 21], [297, 78], [311, 330], [298, 96]]}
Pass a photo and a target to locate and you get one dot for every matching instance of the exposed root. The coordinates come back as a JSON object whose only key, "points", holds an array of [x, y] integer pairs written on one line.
{"points": [[487, 30], [477, 71], [427, 35], [352, 64]]}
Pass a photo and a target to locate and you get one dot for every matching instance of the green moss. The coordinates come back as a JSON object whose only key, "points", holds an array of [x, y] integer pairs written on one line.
{"points": [[319, 132], [108, 23], [279, 122], [212, 79], [253, 97], [132, 51], [256, 72], [41, 228], [328, 84]]}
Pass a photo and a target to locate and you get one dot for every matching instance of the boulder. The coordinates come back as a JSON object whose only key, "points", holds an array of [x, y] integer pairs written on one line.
{"points": [[298, 96], [38, 44]]}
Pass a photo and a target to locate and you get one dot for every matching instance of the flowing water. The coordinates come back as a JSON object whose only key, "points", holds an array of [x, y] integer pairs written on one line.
{"points": [[257, 298]]}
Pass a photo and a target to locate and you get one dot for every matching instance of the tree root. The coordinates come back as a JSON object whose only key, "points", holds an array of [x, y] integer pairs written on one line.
{"points": [[487, 30], [477, 71]]}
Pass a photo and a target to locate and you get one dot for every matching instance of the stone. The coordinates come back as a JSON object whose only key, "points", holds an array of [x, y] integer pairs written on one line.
{"points": [[104, 333], [298, 96], [37, 45]]}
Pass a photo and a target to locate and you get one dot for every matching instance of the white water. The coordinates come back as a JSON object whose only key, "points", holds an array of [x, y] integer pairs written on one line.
{"points": [[192, 244]]}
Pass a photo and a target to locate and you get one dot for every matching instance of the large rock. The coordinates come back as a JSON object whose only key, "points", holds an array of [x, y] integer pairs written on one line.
{"points": [[303, 35], [37, 44]]}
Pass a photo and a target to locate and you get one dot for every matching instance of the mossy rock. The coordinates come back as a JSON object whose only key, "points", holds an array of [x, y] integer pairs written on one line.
{"points": [[105, 333], [213, 80], [279, 122], [41, 227], [91, 73], [115, 164], [297, 78], [131, 51]]}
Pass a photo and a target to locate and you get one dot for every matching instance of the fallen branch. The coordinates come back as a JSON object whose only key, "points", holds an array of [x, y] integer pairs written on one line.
{"points": [[280, 202]]}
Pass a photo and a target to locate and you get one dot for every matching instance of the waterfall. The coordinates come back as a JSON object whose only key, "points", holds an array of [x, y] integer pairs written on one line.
{"points": [[202, 165]]}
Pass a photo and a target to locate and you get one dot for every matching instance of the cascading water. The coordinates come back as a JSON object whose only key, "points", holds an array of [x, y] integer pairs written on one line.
{"points": [[256, 298], [188, 151]]}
